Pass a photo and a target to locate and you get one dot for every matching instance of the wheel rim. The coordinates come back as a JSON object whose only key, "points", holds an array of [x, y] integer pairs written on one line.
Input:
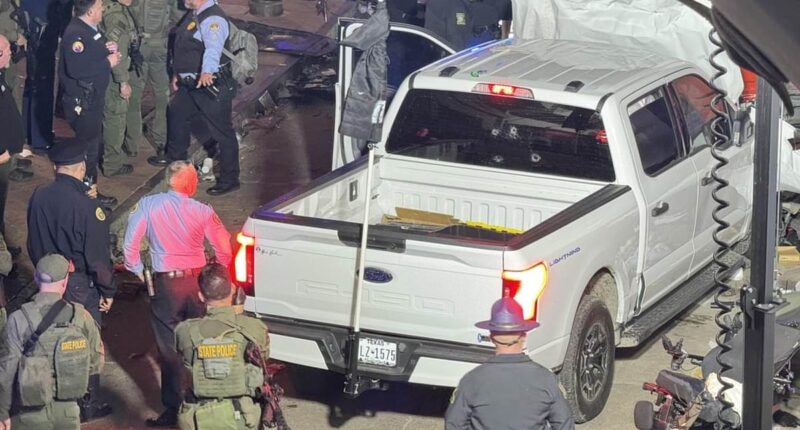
{"points": [[593, 365]]}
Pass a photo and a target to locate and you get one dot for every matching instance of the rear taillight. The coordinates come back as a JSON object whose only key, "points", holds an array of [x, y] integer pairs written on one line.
{"points": [[526, 286], [243, 263]]}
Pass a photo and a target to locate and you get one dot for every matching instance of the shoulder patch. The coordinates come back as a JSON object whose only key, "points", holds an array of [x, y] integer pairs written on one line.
{"points": [[77, 47], [214, 26], [100, 214]]}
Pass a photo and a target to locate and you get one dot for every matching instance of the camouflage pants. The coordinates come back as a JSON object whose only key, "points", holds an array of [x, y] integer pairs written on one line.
{"points": [[114, 118], [154, 73], [57, 415]]}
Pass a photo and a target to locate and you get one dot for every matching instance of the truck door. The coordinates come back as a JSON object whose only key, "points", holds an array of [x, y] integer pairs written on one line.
{"points": [[668, 182], [693, 96], [409, 48]]}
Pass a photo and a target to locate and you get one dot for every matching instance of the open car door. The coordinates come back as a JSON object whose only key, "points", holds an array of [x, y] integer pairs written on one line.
{"points": [[409, 48]]}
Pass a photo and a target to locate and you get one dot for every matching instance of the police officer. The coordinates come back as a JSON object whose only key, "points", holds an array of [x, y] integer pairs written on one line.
{"points": [[87, 58], [119, 27], [466, 23], [52, 349], [46, 20], [206, 88], [63, 218], [175, 226], [154, 19], [213, 349], [11, 127], [12, 31], [510, 391]]}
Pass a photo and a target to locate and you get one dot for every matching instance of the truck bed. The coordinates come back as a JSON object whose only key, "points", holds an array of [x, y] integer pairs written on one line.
{"points": [[307, 244], [496, 198]]}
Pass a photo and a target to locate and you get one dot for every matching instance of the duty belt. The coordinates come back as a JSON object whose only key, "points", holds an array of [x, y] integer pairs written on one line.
{"points": [[178, 273], [153, 35]]}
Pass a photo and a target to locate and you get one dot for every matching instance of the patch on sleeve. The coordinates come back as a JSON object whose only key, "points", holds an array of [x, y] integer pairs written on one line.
{"points": [[77, 47], [214, 26], [191, 26], [100, 214]]}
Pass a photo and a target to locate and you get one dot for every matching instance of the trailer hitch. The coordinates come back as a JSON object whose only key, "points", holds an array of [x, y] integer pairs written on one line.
{"points": [[354, 383]]}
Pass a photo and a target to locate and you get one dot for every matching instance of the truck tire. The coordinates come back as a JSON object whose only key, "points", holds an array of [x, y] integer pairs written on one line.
{"points": [[588, 370]]}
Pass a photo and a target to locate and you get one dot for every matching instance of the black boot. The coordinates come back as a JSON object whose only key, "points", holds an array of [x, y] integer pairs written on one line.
{"points": [[90, 405], [168, 418]]}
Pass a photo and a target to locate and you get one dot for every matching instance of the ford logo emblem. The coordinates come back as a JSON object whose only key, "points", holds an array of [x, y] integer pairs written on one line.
{"points": [[377, 276]]}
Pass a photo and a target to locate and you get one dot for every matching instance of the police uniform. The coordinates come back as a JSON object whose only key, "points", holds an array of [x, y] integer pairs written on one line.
{"points": [[199, 39], [510, 391], [63, 219], [12, 140], [85, 74], [59, 365], [10, 29], [176, 226], [155, 18], [223, 382], [47, 18], [119, 27], [466, 23]]}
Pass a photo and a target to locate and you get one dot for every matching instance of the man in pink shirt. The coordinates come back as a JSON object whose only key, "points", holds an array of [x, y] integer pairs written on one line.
{"points": [[175, 225]]}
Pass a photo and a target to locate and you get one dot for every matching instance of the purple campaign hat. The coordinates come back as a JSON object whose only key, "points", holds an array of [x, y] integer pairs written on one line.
{"points": [[507, 317]]}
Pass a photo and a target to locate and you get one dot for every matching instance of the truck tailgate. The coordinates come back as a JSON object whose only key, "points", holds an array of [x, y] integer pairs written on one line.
{"points": [[433, 290]]}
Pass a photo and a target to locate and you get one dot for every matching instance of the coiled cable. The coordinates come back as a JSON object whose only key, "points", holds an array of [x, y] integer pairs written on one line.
{"points": [[721, 128]]}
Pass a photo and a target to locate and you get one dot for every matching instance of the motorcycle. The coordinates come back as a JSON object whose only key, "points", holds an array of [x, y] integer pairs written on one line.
{"points": [[686, 402]]}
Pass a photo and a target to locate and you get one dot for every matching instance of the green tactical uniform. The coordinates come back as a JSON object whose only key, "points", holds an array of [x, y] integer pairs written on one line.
{"points": [[155, 19], [118, 26], [223, 383], [40, 390], [10, 29]]}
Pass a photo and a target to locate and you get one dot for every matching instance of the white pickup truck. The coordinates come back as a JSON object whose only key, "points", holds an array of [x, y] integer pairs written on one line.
{"points": [[579, 176]]}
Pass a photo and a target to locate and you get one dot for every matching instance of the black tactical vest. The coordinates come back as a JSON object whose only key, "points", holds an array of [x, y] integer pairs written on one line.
{"points": [[187, 53]]}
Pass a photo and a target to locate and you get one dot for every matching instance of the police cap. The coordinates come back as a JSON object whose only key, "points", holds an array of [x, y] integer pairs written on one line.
{"points": [[52, 268], [67, 153]]}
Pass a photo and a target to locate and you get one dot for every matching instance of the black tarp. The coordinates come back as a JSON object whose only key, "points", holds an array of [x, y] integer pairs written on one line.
{"points": [[362, 117]]}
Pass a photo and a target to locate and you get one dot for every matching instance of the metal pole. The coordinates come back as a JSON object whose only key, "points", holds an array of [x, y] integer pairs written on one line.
{"points": [[364, 236], [353, 383], [757, 303]]}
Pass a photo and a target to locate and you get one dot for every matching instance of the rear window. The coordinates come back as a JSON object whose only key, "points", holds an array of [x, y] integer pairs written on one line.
{"points": [[502, 132]]}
